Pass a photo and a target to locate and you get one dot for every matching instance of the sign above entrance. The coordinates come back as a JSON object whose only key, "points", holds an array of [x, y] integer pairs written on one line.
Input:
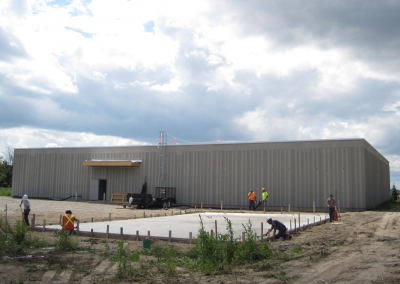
{"points": [[112, 163]]}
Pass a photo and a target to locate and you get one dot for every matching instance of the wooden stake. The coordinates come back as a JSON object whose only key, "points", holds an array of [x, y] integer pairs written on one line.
{"points": [[137, 235], [201, 206], [262, 232], [92, 219], [212, 234], [289, 209], [121, 231], [108, 231], [290, 226], [313, 205], [243, 236], [255, 237], [33, 221], [216, 232], [281, 210], [170, 236], [60, 219], [148, 235], [299, 221], [222, 202], [295, 228], [44, 225], [190, 237], [77, 227], [109, 216], [91, 232]]}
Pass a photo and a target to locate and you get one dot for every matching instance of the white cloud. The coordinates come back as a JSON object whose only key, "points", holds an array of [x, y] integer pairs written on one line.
{"points": [[24, 137]]}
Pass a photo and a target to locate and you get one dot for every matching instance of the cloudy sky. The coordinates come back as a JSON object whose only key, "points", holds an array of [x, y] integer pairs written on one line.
{"points": [[101, 72]]}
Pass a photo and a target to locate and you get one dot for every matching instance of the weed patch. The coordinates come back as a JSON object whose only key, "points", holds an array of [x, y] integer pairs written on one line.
{"points": [[222, 252], [65, 242], [124, 256]]}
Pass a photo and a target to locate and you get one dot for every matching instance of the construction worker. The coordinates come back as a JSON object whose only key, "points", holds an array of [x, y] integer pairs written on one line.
{"points": [[27, 208], [264, 198], [275, 224], [68, 222], [252, 198], [331, 205]]}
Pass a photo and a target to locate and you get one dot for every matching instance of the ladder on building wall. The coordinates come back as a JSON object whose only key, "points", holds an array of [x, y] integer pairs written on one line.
{"points": [[162, 158]]}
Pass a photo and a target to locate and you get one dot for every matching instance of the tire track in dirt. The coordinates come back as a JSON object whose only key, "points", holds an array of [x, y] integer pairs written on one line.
{"points": [[387, 228], [48, 276], [64, 277], [101, 269]]}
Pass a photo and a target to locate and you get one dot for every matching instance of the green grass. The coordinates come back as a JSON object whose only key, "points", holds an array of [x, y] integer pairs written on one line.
{"points": [[386, 206], [5, 191]]}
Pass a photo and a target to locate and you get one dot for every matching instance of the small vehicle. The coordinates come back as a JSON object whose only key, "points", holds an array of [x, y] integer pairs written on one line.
{"points": [[164, 197]]}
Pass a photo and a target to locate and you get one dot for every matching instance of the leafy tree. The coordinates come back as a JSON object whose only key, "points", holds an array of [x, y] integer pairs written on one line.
{"points": [[394, 192], [9, 155], [5, 174]]}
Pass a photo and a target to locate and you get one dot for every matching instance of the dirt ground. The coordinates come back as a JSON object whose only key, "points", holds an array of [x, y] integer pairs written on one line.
{"points": [[362, 247]]}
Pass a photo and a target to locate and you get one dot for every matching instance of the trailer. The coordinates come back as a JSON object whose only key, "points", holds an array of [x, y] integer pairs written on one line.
{"points": [[163, 198]]}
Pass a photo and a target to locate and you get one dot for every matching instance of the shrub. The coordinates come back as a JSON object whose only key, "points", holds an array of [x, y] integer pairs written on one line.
{"points": [[65, 242]]}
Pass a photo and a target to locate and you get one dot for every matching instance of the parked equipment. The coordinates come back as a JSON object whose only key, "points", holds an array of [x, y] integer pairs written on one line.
{"points": [[164, 197]]}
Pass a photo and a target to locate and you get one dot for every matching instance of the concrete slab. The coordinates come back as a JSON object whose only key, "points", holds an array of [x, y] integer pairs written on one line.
{"points": [[181, 225]]}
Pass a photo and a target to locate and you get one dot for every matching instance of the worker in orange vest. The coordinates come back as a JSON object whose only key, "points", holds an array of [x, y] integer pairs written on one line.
{"points": [[252, 198], [68, 222]]}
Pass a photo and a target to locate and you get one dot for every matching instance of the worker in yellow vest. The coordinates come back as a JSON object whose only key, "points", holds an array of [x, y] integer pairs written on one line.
{"points": [[252, 198], [68, 222], [264, 198]]}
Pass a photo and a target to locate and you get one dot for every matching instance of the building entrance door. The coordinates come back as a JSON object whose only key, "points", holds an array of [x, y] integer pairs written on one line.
{"points": [[102, 188]]}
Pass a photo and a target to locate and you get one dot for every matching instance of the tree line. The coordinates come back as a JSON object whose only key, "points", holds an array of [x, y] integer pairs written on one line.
{"points": [[6, 167]]}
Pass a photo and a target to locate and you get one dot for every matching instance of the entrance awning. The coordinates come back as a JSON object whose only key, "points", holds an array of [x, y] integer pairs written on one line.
{"points": [[112, 163]]}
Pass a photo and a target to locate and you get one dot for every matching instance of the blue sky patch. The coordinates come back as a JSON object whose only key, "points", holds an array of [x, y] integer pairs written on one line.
{"points": [[87, 35], [149, 27], [60, 3], [76, 12]]}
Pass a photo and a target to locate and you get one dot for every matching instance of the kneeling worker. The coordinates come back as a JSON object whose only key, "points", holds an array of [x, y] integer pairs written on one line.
{"points": [[68, 222], [275, 224]]}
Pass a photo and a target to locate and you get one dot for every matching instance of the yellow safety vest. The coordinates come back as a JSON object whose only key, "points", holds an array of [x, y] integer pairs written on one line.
{"points": [[265, 195]]}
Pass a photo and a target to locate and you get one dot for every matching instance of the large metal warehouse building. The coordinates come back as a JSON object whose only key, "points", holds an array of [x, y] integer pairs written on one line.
{"points": [[293, 172]]}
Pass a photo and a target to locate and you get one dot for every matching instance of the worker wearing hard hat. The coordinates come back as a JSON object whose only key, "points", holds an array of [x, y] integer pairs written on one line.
{"points": [[264, 198], [252, 198], [27, 208], [68, 222]]}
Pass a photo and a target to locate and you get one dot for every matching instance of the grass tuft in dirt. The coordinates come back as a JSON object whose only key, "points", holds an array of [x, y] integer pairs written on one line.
{"points": [[65, 243]]}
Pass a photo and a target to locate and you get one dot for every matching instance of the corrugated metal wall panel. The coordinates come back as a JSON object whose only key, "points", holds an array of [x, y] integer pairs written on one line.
{"points": [[295, 173]]}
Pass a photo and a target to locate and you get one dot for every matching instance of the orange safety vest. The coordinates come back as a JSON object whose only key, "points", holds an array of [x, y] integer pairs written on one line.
{"points": [[252, 196], [68, 221]]}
